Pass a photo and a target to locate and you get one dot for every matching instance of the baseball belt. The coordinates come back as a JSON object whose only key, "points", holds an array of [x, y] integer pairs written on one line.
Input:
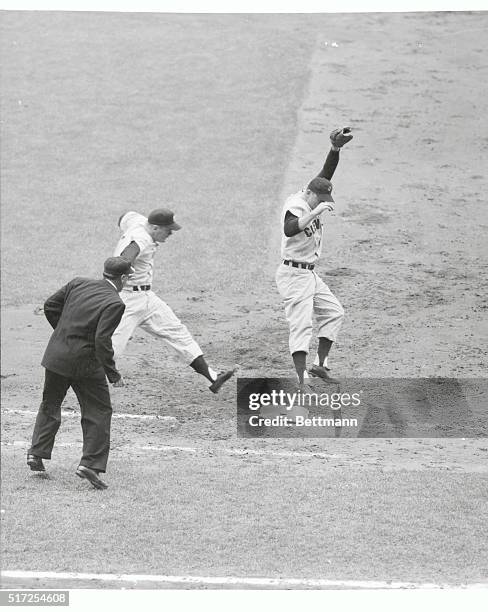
{"points": [[297, 264], [141, 287]]}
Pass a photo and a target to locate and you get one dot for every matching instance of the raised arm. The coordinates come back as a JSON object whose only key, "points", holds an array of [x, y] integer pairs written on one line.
{"points": [[292, 224], [330, 164], [338, 138]]}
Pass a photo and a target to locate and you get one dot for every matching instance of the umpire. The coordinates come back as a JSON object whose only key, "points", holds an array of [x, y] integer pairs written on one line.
{"points": [[84, 314]]}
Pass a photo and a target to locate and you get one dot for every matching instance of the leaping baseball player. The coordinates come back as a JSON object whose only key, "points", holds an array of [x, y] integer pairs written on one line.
{"points": [[140, 239], [303, 291]]}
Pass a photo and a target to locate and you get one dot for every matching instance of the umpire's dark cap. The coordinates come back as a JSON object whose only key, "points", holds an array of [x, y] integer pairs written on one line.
{"points": [[322, 187], [117, 266], [163, 217]]}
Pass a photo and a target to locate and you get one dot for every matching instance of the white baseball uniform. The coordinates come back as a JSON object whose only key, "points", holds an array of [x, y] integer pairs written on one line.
{"points": [[143, 308], [302, 290]]}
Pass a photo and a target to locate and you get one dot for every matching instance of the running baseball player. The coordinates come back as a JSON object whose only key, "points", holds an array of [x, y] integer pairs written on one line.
{"points": [[303, 291], [138, 243]]}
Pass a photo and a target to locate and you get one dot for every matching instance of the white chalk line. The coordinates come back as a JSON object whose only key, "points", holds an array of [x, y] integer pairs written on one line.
{"points": [[240, 452], [115, 415], [237, 581]]}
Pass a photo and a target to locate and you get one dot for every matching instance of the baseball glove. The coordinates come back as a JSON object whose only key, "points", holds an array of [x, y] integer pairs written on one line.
{"points": [[340, 137]]}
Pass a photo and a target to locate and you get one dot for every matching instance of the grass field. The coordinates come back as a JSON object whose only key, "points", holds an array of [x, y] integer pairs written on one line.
{"points": [[218, 117], [244, 517], [106, 113]]}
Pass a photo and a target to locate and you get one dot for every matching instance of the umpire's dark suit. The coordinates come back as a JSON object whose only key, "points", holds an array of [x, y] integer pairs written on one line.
{"points": [[84, 314]]}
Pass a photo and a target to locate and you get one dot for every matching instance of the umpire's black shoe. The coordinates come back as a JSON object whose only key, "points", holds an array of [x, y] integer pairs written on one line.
{"points": [[92, 476], [35, 463], [220, 380], [323, 373]]}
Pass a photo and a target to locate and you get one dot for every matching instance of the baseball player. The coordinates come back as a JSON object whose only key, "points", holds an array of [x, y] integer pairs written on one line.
{"points": [[303, 291], [139, 242]]}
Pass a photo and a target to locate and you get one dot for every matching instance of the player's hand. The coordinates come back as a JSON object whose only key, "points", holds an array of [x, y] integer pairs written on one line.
{"points": [[119, 383], [323, 207], [340, 137]]}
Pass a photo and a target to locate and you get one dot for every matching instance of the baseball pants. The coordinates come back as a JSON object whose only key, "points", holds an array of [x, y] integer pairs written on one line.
{"points": [[96, 415], [146, 310], [305, 294]]}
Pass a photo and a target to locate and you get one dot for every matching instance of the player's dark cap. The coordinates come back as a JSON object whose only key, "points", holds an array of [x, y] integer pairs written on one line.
{"points": [[116, 266], [163, 217], [322, 187]]}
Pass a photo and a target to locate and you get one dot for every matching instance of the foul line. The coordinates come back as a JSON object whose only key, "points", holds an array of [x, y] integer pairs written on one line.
{"points": [[239, 581], [115, 415], [240, 452]]}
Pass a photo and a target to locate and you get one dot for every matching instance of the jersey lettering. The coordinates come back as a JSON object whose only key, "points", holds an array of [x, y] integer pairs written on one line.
{"points": [[305, 246], [315, 226]]}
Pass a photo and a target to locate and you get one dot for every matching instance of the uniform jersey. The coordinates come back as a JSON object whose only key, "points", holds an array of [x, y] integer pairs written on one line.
{"points": [[133, 228], [306, 246]]}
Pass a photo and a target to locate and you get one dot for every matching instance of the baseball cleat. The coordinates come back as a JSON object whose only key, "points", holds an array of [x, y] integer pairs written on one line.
{"points": [[321, 372], [91, 476], [35, 463], [220, 380]]}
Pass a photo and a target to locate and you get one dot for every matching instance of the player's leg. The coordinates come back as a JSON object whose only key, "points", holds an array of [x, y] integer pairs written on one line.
{"points": [[162, 322], [330, 315], [201, 367], [323, 351], [300, 363], [296, 287], [48, 419], [134, 313]]}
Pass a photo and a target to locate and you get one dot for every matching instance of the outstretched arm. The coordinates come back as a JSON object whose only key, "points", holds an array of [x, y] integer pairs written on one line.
{"points": [[330, 164], [338, 138]]}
